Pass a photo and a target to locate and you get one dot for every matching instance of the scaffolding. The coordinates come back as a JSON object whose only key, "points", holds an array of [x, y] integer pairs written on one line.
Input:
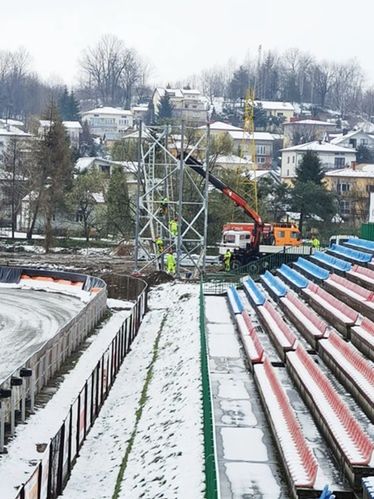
{"points": [[172, 201]]}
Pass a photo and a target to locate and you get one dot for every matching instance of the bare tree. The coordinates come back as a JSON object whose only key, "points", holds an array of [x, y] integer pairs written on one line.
{"points": [[111, 70]]}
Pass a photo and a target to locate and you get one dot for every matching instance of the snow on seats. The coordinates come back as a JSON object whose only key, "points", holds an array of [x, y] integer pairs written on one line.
{"points": [[362, 336], [351, 368], [335, 311], [311, 269], [281, 335], [331, 261], [235, 301], [251, 343], [253, 292], [350, 254], [298, 459], [292, 276], [276, 287], [304, 318], [349, 442]]}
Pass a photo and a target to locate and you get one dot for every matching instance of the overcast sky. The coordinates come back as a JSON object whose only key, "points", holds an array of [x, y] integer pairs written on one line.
{"points": [[180, 38]]}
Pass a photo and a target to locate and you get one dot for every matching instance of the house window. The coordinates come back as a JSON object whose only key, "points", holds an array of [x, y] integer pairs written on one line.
{"points": [[288, 173], [339, 162], [345, 207], [370, 188], [260, 149], [279, 115], [288, 159], [293, 159], [364, 142], [261, 159], [343, 188]]}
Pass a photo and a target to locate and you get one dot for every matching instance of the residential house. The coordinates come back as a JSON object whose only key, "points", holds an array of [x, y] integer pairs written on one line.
{"points": [[9, 132], [233, 162], [109, 123], [218, 127], [332, 157], [188, 104], [139, 112], [264, 142], [283, 110], [73, 130], [354, 139], [353, 186], [302, 131]]}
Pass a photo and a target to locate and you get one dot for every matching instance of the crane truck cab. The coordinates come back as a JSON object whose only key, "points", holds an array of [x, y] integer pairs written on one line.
{"points": [[237, 236]]}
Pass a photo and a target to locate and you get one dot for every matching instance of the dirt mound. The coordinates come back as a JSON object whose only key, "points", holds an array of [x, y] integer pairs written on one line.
{"points": [[157, 278], [123, 249]]}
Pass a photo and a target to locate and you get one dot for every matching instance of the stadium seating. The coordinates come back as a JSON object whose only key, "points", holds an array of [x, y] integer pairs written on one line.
{"points": [[253, 292], [274, 284], [312, 269], [292, 276], [331, 262], [362, 336], [350, 254]]}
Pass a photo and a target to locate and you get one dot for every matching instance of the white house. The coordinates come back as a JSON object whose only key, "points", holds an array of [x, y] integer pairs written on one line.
{"points": [[188, 104], [332, 157], [74, 130], [139, 112], [354, 139], [277, 109], [218, 127], [109, 123], [9, 132]]}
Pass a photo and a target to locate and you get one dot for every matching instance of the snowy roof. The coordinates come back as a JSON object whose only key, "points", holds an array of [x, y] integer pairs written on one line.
{"points": [[257, 174], [72, 125], [220, 125], [177, 92], [270, 104], [241, 135], [87, 162], [350, 172], [310, 122], [140, 108], [342, 137], [365, 126], [12, 131], [98, 197], [108, 110], [12, 122], [233, 159], [319, 146]]}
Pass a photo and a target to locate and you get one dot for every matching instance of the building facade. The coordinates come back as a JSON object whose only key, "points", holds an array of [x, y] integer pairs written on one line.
{"points": [[331, 156], [188, 104], [108, 123], [281, 110]]}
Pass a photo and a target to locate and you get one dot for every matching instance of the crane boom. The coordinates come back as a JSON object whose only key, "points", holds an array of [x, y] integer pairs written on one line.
{"points": [[197, 166]]}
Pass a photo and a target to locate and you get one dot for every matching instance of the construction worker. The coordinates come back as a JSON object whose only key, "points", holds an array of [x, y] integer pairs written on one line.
{"points": [[315, 243], [173, 227], [159, 245], [227, 260], [164, 206], [170, 262]]}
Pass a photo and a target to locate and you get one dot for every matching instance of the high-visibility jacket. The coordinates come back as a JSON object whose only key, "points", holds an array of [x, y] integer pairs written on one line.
{"points": [[173, 227], [160, 244], [227, 260], [170, 263]]}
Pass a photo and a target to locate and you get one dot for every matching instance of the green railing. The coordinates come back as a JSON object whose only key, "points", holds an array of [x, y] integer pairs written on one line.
{"points": [[211, 484]]}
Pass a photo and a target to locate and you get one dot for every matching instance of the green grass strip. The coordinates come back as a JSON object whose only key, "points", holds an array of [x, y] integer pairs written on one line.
{"points": [[139, 412]]}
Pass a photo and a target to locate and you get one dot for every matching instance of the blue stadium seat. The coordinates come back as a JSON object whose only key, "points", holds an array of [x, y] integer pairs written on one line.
{"points": [[312, 269], [331, 261], [361, 243], [293, 276], [356, 256], [235, 301], [274, 283], [253, 292]]}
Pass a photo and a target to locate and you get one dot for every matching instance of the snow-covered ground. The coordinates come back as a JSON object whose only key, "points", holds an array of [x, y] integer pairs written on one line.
{"points": [[28, 319], [19, 462], [166, 458]]}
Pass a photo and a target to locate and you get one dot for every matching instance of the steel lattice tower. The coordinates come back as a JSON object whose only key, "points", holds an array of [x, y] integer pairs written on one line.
{"points": [[164, 178]]}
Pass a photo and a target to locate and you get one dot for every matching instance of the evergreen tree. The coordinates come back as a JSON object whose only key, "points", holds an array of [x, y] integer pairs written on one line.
{"points": [[309, 197], [87, 146], [53, 173], [64, 105], [364, 155], [118, 204], [74, 111], [310, 169], [165, 108]]}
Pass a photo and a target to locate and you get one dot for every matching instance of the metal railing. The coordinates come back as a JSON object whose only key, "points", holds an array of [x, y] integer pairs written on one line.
{"points": [[210, 467]]}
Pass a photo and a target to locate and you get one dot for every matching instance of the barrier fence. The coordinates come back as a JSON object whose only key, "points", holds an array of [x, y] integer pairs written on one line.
{"points": [[210, 469], [52, 472], [19, 389]]}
